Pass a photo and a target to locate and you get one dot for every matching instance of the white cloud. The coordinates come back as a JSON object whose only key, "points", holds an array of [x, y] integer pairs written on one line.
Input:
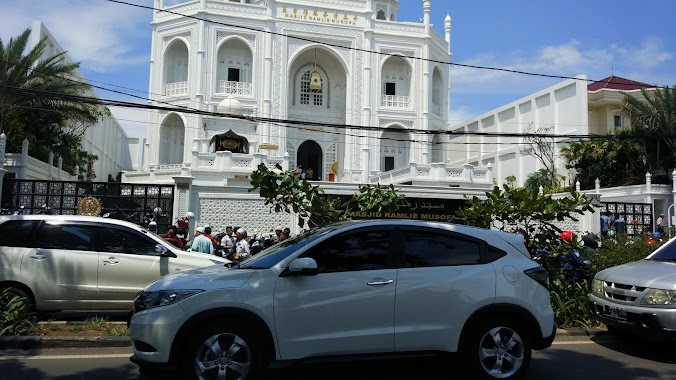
{"points": [[101, 35], [133, 121], [460, 114], [647, 56], [569, 59]]}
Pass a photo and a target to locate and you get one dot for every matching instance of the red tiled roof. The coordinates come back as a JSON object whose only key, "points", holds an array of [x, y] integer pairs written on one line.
{"points": [[617, 83]]}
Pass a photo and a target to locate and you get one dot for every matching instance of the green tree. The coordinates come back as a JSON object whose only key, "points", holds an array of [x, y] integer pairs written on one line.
{"points": [[523, 211], [617, 161], [36, 103], [656, 115], [285, 193]]}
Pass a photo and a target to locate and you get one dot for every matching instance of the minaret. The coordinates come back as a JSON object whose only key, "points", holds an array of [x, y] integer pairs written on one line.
{"points": [[427, 6], [447, 28]]}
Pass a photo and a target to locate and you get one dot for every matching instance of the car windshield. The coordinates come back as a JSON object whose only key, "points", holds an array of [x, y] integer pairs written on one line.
{"points": [[666, 252], [272, 255]]}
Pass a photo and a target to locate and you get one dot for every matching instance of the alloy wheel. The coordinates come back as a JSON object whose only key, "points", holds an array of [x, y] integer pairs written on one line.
{"points": [[223, 357], [501, 352]]}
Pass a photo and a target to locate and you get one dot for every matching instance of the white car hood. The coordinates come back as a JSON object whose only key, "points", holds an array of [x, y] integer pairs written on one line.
{"points": [[207, 278], [645, 273]]}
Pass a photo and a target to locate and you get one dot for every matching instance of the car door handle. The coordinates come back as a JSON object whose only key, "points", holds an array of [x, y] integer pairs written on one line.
{"points": [[38, 257], [379, 282], [111, 260]]}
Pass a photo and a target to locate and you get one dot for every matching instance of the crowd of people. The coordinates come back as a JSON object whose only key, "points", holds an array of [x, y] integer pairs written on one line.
{"points": [[233, 244]]}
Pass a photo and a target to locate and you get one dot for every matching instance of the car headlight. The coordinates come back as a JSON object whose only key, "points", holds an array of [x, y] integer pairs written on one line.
{"points": [[597, 287], [149, 300], [660, 297]]}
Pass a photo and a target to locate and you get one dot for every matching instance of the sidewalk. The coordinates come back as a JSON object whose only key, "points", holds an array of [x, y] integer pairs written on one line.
{"points": [[34, 342]]}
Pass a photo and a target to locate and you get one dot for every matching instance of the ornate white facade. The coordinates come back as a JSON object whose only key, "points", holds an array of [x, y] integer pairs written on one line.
{"points": [[282, 63]]}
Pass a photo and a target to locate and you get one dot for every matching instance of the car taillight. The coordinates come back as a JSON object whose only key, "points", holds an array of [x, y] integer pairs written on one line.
{"points": [[540, 275]]}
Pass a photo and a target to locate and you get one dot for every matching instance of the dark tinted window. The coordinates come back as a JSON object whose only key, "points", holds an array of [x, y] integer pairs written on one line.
{"points": [[17, 233], [430, 249], [117, 240], [353, 251], [65, 236]]}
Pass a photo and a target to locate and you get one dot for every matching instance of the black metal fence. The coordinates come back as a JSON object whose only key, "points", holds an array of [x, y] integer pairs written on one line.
{"points": [[637, 217], [131, 202]]}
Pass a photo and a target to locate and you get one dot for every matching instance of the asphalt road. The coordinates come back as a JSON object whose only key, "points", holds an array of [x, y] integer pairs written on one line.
{"points": [[602, 357]]}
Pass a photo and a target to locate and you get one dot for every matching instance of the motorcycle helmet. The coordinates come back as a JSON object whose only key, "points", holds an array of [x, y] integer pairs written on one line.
{"points": [[656, 234], [567, 236], [190, 215]]}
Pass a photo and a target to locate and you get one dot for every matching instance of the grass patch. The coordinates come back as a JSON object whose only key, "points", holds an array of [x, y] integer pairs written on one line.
{"points": [[117, 331], [76, 328], [97, 321]]}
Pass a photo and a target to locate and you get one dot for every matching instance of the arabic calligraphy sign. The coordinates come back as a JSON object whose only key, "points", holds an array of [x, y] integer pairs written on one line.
{"points": [[306, 14], [441, 210]]}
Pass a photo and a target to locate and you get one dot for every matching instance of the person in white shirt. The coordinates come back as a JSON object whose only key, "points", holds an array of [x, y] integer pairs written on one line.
{"points": [[228, 242], [242, 250]]}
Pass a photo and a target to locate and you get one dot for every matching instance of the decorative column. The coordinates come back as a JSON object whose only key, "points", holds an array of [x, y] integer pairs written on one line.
{"points": [[183, 199], [3, 146], [366, 159], [50, 170], [60, 163], [24, 160]]}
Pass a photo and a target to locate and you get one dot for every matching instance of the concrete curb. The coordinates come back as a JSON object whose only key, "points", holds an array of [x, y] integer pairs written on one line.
{"points": [[579, 332], [33, 342]]}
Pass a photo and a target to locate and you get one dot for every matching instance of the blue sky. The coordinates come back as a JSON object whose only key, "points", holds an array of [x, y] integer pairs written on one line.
{"points": [[632, 39]]}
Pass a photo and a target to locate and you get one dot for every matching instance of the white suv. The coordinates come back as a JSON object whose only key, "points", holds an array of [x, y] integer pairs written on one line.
{"points": [[352, 288], [66, 262]]}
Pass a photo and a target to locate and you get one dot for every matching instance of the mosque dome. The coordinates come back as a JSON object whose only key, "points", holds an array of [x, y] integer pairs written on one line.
{"points": [[230, 105]]}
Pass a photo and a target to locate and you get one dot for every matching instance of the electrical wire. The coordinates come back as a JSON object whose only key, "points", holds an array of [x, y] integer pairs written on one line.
{"points": [[258, 30]]}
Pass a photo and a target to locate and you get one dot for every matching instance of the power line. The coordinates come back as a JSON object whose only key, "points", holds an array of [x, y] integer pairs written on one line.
{"points": [[258, 30], [118, 103]]}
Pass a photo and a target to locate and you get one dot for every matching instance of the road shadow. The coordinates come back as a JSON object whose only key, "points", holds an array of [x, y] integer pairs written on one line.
{"points": [[16, 369], [634, 346]]}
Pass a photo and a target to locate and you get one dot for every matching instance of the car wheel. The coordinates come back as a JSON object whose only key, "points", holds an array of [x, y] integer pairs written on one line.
{"points": [[498, 349], [223, 353]]}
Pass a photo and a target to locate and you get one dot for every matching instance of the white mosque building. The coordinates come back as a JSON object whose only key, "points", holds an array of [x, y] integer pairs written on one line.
{"points": [[271, 64], [344, 88]]}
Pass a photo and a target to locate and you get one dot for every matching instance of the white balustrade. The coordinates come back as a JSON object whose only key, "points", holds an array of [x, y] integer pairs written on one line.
{"points": [[234, 88], [396, 101], [176, 88]]}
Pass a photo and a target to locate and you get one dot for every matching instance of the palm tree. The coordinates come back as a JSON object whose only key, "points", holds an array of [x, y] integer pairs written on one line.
{"points": [[656, 114], [37, 101]]}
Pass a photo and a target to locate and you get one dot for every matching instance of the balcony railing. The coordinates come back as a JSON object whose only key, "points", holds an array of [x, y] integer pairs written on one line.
{"points": [[396, 101], [234, 88], [176, 88]]}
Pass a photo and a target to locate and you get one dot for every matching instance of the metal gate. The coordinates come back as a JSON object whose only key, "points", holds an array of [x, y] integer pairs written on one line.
{"points": [[637, 217], [131, 202]]}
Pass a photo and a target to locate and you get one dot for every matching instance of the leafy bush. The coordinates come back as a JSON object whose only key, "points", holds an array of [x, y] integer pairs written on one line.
{"points": [[15, 315], [569, 301], [621, 250], [569, 298]]}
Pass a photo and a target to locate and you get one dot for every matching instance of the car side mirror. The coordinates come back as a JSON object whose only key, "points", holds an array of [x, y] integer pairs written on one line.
{"points": [[304, 266], [160, 250]]}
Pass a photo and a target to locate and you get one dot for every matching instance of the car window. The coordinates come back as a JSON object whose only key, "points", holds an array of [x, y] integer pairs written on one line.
{"points": [[17, 233], [120, 240], [65, 236], [432, 249], [353, 251]]}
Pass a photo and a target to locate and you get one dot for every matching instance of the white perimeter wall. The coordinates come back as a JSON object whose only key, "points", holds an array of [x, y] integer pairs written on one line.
{"points": [[562, 106]]}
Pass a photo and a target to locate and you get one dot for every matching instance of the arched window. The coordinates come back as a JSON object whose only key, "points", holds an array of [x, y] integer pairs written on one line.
{"points": [[381, 15], [307, 95]]}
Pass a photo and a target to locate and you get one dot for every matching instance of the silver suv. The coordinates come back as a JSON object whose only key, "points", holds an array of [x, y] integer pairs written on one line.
{"points": [[639, 297], [65, 262], [352, 288]]}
